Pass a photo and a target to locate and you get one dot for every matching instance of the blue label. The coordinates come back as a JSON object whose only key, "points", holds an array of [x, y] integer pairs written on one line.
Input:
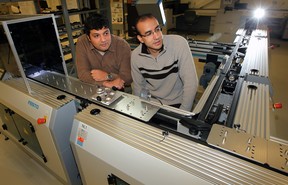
{"points": [[79, 143], [32, 104]]}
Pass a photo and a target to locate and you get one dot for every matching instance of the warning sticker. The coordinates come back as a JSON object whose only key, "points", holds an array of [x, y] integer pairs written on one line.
{"points": [[82, 135]]}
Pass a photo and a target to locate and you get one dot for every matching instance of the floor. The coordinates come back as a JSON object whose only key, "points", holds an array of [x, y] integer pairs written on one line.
{"points": [[17, 168]]}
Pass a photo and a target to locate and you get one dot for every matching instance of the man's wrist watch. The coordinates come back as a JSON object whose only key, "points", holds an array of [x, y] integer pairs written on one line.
{"points": [[109, 76]]}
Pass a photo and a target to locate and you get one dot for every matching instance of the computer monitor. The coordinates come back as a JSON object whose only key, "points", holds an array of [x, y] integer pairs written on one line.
{"points": [[36, 44], [154, 7]]}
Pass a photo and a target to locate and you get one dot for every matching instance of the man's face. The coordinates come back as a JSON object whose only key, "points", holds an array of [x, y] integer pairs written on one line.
{"points": [[100, 39], [150, 34]]}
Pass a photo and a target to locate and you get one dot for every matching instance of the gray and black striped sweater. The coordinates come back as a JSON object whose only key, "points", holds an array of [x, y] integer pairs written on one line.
{"points": [[170, 77]]}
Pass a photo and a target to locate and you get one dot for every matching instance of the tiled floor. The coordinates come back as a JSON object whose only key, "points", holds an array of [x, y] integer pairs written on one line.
{"points": [[17, 168]]}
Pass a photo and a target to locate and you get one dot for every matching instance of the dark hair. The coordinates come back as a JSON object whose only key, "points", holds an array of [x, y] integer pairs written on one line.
{"points": [[142, 18], [95, 21]]}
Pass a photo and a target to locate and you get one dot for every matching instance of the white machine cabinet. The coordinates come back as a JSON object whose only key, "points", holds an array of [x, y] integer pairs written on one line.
{"points": [[49, 114], [110, 147]]}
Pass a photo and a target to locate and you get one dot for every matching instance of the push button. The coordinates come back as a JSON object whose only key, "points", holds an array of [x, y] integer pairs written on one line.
{"points": [[277, 105], [41, 121]]}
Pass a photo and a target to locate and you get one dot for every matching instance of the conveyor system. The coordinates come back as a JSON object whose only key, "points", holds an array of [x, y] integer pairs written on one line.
{"points": [[208, 51], [120, 138]]}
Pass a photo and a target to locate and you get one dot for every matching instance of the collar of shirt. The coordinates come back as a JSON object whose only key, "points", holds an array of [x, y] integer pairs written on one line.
{"points": [[146, 51]]}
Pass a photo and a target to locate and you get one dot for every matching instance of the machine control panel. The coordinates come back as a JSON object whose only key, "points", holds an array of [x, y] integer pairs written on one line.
{"points": [[106, 95]]}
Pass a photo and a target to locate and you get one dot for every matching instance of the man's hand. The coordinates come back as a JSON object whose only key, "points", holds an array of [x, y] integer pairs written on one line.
{"points": [[118, 83], [99, 75]]}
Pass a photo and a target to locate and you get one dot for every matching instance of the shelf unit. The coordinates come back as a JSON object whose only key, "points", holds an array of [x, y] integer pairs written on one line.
{"points": [[70, 24]]}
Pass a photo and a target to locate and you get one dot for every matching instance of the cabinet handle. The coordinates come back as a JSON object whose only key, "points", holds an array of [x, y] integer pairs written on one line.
{"points": [[44, 158], [32, 128], [4, 126]]}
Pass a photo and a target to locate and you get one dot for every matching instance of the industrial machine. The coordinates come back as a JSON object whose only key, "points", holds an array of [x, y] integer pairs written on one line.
{"points": [[37, 117], [119, 138], [41, 124]]}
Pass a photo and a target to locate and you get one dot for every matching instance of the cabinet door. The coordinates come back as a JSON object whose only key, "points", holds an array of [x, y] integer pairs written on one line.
{"points": [[7, 122], [27, 132]]}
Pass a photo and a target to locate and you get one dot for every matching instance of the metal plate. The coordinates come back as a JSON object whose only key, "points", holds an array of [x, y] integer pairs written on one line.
{"points": [[278, 156], [238, 142], [133, 106]]}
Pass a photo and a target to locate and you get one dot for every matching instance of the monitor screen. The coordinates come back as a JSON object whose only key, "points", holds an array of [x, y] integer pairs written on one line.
{"points": [[154, 7], [37, 45]]}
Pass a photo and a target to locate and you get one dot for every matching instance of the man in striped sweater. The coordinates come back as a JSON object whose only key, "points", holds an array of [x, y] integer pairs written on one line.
{"points": [[163, 65]]}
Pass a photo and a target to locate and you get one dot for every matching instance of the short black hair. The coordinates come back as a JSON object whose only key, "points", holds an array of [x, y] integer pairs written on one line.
{"points": [[142, 18], [95, 21]]}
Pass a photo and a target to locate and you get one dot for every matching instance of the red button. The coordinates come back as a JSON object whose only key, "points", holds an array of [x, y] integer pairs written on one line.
{"points": [[277, 105], [41, 120], [81, 139]]}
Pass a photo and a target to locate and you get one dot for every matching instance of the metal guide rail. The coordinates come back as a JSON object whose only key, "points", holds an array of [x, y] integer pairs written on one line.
{"points": [[256, 58], [252, 115], [208, 51]]}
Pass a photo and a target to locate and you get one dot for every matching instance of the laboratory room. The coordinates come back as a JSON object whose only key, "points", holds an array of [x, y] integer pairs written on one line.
{"points": [[134, 92]]}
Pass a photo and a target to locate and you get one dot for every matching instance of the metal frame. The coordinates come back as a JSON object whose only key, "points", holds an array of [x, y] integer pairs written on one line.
{"points": [[13, 48]]}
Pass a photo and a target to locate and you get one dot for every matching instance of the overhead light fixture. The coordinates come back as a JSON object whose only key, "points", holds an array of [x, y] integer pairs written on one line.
{"points": [[259, 13]]}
